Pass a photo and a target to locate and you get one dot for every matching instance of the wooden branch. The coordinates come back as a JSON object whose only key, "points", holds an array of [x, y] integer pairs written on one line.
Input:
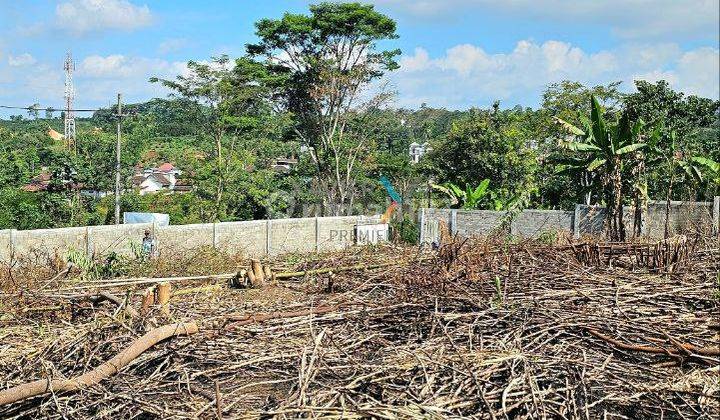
{"points": [[119, 302], [705, 351], [107, 369]]}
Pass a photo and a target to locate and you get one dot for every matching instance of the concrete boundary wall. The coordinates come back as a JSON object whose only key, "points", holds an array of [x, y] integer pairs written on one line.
{"points": [[253, 238], [685, 217]]}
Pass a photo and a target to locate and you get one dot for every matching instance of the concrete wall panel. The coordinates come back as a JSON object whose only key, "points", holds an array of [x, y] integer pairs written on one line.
{"points": [[242, 237], [180, 239], [50, 241]]}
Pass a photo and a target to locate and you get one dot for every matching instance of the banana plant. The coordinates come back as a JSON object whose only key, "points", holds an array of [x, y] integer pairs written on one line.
{"points": [[686, 170], [603, 147], [467, 199]]}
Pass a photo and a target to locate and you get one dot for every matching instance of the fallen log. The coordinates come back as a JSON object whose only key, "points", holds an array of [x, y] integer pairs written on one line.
{"points": [[105, 370]]}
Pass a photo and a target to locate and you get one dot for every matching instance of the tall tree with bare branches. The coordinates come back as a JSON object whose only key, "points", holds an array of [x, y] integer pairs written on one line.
{"points": [[326, 61]]}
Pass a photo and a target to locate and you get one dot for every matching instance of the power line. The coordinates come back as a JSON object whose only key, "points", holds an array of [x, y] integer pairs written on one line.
{"points": [[29, 108]]}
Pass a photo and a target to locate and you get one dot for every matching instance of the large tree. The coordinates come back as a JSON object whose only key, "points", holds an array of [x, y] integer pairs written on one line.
{"points": [[327, 60], [494, 145], [230, 99], [693, 119]]}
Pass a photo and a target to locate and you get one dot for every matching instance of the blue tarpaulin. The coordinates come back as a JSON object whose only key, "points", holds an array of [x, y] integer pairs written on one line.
{"points": [[131, 217]]}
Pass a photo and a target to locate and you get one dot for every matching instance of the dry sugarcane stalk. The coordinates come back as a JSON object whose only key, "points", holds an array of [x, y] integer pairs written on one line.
{"points": [[240, 320], [429, 338], [119, 302], [107, 369]]}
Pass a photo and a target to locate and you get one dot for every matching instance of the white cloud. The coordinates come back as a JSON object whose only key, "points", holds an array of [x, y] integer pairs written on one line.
{"points": [[419, 61], [99, 77], [21, 60], [698, 72], [117, 66], [627, 18], [172, 45], [81, 16], [466, 75]]}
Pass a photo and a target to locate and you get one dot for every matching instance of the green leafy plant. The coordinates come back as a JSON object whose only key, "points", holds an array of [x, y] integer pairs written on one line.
{"points": [[498, 290], [468, 198], [79, 259], [604, 147]]}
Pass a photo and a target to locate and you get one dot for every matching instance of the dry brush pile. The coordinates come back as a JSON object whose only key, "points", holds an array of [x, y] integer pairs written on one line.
{"points": [[477, 329]]}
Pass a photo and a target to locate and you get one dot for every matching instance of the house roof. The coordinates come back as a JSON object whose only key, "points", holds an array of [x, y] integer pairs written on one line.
{"points": [[137, 179], [166, 167], [161, 179], [55, 135], [42, 182]]}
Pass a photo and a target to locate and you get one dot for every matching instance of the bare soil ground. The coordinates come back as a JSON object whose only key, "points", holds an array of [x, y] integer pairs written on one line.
{"points": [[477, 329]]}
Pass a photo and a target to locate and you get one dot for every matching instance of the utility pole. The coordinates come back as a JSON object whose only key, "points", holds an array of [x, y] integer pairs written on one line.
{"points": [[117, 160], [69, 67]]}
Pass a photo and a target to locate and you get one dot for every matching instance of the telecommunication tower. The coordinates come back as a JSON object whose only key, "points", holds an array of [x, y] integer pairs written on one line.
{"points": [[69, 97]]}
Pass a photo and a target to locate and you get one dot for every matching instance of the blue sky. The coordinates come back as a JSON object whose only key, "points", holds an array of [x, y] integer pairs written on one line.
{"points": [[456, 53]]}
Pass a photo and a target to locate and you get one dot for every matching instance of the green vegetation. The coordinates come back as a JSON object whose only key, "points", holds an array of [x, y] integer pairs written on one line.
{"points": [[307, 91]]}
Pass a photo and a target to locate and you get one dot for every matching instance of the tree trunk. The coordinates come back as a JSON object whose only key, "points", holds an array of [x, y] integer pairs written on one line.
{"points": [[614, 205], [667, 208], [637, 216]]}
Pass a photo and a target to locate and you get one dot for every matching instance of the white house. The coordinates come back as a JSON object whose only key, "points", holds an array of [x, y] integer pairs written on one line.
{"points": [[417, 150], [164, 177]]}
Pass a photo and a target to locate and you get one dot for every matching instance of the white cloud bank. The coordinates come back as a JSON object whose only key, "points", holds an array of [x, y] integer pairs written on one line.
{"points": [[466, 75], [97, 79], [21, 60], [82, 16], [627, 18]]}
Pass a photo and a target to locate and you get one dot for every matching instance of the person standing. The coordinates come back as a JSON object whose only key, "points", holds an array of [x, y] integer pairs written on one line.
{"points": [[148, 246]]}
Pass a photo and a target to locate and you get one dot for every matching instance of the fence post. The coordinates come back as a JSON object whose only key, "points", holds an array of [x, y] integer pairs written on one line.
{"points": [[88, 241], [317, 234], [453, 222], [422, 226], [576, 222], [12, 242], [215, 239], [716, 215], [268, 229], [513, 228]]}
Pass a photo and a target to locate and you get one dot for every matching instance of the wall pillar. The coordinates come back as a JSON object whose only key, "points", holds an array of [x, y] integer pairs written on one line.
{"points": [[576, 222], [317, 234], [88, 242], [12, 242], [453, 222], [268, 232], [716, 215], [422, 226], [215, 239]]}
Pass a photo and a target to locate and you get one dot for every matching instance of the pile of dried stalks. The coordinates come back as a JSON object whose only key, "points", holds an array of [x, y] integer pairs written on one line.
{"points": [[477, 329]]}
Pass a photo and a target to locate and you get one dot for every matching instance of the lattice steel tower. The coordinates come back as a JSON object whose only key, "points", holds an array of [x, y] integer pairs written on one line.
{"points": [[69, 97]]}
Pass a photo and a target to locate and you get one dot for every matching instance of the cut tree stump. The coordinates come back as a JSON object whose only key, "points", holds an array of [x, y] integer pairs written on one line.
{"points": [[148, 300], [163, 297], [257, 270]]}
